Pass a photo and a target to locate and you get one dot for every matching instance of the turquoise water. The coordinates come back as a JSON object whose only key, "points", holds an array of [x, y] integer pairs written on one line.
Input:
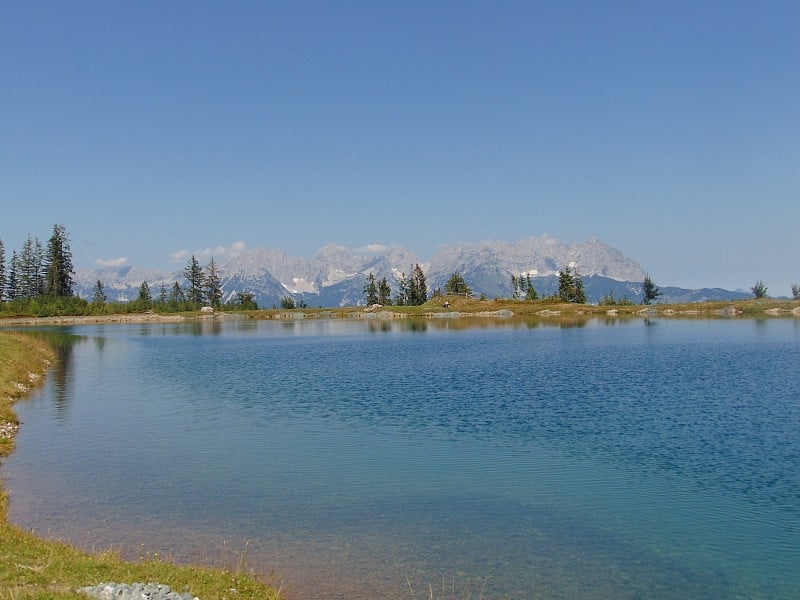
{"points": [[357, 459]]}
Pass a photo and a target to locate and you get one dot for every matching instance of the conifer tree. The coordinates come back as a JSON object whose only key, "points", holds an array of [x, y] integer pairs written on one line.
{"points": [[176, 296], [58, 264], [99, 294], [570, 286], [530, 291], [457, 285], [401, 298], [30, 279], [12, 287], [384, 292], [162, 295], [144, 293], [371, 290], [566, 285], [194, 276], [649, 289], [40, 269], [213, 288], [246, 301], [417, 288], [580, 294], [2, 272]]}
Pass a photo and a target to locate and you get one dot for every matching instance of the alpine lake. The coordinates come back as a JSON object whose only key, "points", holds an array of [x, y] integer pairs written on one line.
{"points": [[441, 458]]}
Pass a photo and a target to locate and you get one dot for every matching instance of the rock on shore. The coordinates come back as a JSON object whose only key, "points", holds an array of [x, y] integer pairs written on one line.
{"points": [[134, 591]]}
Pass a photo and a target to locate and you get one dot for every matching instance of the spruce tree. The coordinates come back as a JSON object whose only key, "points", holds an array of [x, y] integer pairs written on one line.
{"points": [[194, 276], [649, 289], [176, 296], [417, 288], [213, 288], [530, 291], [401, 298], [570, 286], [579, 296], [58, 264], [2, 272], [246, 301], [566, 285], [144, 293], [384, 292], [457, 285], [13, 277], [371, 290], [30, 278], [162, 295], [99, 294]]}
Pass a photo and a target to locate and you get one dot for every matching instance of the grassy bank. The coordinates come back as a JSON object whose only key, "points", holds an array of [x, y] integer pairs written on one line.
{"points": [[33, 568], [546, 309]]}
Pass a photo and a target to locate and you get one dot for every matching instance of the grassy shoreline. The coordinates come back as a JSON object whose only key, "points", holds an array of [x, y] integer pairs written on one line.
{"points": [[546, 310], [35, 568]]}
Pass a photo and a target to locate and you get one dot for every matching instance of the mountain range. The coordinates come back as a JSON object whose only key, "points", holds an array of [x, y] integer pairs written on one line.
{"points": [[336, 275]]}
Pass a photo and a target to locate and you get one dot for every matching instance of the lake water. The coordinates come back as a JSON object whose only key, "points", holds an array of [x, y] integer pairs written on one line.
{"points": [[366, 459]]}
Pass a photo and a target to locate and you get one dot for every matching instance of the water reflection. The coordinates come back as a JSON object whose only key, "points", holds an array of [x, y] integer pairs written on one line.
{"points": [[62, 340]]}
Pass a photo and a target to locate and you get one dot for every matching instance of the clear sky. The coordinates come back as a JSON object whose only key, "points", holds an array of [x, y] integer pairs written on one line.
{"points": [[669, 130]]}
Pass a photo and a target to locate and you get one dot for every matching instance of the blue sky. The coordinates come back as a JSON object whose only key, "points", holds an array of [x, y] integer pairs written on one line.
{"points": [[669, 130]]}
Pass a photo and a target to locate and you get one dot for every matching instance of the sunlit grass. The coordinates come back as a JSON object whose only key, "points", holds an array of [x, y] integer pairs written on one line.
{"points": [[547, 308]]}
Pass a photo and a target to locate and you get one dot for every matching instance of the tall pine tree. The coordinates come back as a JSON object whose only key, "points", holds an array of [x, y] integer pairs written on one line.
{"points": [[145, 297], [99, 294], [417, 288], [566, 285], [162, 294], [371, 290], [213, 287], [580, 293], [58, 264], [194, 276], [384, 292], [30, 277], [401, 298], [2, 272], [176, 296], [13, 277]]}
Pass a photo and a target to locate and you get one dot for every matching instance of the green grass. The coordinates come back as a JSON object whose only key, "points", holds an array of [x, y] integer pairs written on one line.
{"points": [[34, 568], [548, 309]]}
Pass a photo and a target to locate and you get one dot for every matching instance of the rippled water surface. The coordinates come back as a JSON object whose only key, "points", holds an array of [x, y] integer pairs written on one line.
{"points": [[355, 459]]}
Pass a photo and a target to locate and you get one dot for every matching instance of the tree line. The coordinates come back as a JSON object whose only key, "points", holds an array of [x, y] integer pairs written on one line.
{"points": [[413, 291], [203, 288], [38, 280], [38, 270]]}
